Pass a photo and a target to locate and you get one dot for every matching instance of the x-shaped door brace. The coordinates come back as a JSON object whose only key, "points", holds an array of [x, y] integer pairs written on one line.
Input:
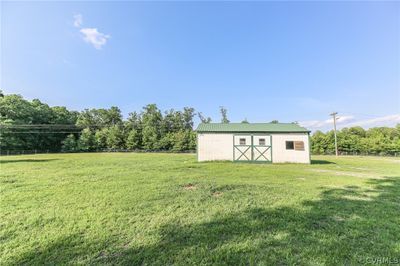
{"points": [[262, 153], [243, 153]]}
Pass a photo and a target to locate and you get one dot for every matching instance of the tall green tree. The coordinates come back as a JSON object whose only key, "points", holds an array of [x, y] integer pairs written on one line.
{"points": [[204, 119], [133, 140], [224, 115], [86, 141], [100, 138], [151, 122], [69, 144], [188, 115], [115, 138], [133, 127]]}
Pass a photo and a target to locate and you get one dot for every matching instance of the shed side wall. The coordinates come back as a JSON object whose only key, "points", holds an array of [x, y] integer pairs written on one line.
{"points": [[281, 155], [213, 146]]}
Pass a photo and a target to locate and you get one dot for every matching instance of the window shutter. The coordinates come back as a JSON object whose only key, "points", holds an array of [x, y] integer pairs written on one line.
{"points": [[299, 145]]}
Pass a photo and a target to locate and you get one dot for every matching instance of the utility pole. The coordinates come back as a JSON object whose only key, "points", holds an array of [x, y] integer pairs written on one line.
{"points": [[334, 130]]}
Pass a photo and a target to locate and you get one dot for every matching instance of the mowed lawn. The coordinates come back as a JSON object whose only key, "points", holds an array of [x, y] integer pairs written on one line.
{"points": [[163, 209]]}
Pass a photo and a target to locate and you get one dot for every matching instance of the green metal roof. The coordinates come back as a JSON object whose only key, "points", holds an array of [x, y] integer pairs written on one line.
{"points": [[251, 127]]}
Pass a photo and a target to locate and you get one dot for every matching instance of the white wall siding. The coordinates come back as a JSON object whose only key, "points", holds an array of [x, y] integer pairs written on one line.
{"points": [[214, 146], [281, 155]]}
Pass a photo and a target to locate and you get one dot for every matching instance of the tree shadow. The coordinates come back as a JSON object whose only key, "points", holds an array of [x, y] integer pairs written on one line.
{"points": [[345, 226], [27, 161], [62, 251], [321, 162]]}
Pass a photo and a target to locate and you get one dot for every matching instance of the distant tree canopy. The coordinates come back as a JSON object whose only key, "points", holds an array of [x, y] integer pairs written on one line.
{"points": [[17, 117], [374, 141], [33, 125]]}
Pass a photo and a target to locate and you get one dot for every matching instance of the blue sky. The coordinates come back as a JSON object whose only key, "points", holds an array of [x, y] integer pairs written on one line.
{"points": [[291, 61]]}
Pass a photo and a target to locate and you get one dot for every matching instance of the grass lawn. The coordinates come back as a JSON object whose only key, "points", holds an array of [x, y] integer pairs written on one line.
{"points": [[127, 208]]}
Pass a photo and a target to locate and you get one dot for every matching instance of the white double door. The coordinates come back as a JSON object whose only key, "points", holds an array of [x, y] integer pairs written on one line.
{"points": [[252, 148]]}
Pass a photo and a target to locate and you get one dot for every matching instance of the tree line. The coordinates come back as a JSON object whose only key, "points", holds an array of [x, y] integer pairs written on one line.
{"points": [[149, 130], [34, 125], [356, 140]]}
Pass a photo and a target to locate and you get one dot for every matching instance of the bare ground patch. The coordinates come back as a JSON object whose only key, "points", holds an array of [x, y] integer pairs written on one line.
{"points": [[189, 186], [217, 194]]}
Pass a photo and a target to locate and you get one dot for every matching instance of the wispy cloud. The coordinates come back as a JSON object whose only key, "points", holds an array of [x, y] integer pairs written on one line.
{"points": [[78, 20], [323, 123], [94, 37], [351, 121], [379, 121], [91, 35]]}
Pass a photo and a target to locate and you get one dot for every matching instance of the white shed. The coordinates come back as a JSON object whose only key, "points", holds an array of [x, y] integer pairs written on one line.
{"points": [[253, 142]]}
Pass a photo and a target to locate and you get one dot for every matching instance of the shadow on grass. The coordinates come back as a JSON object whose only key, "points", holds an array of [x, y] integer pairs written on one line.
{"points": [[321, 162], [27, 161], [345, 226]]}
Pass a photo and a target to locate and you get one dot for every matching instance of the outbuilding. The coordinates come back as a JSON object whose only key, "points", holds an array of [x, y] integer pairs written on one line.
{"points": [[253, 142]]}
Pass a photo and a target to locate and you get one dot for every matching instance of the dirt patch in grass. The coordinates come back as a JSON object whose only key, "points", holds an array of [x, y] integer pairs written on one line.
{"points": [[189, 186], [9, 181], [102, 254], [217, 194]]}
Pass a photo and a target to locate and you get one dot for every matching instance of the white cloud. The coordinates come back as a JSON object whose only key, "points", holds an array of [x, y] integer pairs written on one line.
{"points": [[78, 20], [351, 121], [94, 37], [90, 35]]}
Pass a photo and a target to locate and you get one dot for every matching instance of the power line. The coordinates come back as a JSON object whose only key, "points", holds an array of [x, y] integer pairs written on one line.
{"points": [[47, 132], [40, 126], [40, 129]]}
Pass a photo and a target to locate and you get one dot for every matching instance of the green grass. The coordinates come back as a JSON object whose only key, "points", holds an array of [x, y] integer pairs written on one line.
{"points": [[127, 208]]}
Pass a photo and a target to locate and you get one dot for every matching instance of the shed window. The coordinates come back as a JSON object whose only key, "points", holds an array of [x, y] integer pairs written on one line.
{"points": [[295, 145], [290, 145], [242, 141], [261, 142]]}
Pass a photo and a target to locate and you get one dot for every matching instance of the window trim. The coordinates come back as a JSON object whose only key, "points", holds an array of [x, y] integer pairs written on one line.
{"points": [[286, 145]]}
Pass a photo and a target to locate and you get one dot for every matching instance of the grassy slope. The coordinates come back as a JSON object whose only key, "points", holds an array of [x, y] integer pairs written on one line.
{"points": [[135, 209]]}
